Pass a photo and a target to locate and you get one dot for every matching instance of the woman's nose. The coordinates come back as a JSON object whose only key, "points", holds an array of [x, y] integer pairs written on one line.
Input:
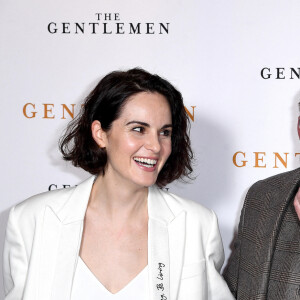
{"points": [[153, 143]]}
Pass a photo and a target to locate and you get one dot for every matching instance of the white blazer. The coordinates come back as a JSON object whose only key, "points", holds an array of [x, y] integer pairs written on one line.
{"points": [[43, 239]]}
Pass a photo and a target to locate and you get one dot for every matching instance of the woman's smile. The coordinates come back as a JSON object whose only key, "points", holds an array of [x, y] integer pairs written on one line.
{"points": [[146, 163]]}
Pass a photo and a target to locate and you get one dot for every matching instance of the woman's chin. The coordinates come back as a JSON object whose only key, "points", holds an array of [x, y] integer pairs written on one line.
{"points": [[146, 182]]}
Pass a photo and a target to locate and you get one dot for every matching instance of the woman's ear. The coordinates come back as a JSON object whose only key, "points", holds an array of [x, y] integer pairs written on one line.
{"points": [[99, 135]]}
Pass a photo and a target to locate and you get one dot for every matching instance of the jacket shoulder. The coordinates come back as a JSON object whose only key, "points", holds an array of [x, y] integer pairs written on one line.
{"points": [[34, 206], [280, 182], [194, 210], [202, 237]]}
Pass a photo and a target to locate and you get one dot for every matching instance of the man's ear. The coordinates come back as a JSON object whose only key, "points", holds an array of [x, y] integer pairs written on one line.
{"points": [[99, 135], [297, 203]]}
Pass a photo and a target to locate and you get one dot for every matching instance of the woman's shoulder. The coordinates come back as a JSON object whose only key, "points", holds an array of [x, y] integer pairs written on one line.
{"points": [[200, 221], [26, 218], [60, 201], [35, 205], [193, 209]]}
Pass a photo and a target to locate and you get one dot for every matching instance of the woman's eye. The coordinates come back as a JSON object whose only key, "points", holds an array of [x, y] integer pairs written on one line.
{"points": [[139, 129], [166, 132]]}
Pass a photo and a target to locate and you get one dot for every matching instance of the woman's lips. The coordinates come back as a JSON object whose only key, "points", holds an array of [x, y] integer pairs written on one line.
{"points": [[146, 163]]}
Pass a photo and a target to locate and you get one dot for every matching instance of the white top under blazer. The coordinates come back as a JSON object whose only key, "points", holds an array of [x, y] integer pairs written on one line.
{"points": [[87, 286], [43, 239]]}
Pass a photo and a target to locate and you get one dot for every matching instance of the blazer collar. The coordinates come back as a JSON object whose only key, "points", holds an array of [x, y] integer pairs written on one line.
{"points": [[74, 208], [158, 208]]}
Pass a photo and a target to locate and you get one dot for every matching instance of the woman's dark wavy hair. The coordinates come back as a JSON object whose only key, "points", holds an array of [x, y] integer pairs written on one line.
{"points": [[105, 104]]}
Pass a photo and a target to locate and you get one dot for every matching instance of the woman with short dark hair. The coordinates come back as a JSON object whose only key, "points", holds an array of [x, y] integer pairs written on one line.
{"points": [[105, 104], [118, 234]]}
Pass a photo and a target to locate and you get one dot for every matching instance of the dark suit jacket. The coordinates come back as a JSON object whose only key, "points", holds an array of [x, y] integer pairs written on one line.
{"points": [[265, 262]]}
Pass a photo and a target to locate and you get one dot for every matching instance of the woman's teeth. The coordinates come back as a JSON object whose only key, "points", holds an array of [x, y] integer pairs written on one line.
{"points": [[146, 162]]}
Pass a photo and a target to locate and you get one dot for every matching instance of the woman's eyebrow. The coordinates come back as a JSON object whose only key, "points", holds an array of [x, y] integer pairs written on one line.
{"points": [[167, 126], [146, 124], [138, 122]]}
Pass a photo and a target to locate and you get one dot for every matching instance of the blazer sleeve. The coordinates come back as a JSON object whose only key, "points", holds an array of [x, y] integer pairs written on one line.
{"points": [[15, 262], [217, 287], [231, 272]]}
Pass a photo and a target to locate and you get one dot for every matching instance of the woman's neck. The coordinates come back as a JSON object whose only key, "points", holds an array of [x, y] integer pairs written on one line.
{"points": [[116, 201]]}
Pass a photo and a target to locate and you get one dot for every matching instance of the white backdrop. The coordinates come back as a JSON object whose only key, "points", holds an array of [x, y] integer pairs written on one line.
{"points": [[213, 53]]}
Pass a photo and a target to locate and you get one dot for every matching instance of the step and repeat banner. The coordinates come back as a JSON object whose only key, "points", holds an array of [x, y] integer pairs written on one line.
{"points": [[236, 63]]}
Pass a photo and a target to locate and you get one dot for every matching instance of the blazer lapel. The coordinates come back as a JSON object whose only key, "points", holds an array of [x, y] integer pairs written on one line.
{"points": [[62, 232], [66, 260], [166, 239], [177, 246], [50, 241]]}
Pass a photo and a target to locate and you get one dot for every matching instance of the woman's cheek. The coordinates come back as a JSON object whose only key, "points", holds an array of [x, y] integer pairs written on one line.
{"points": [[167, 148]]}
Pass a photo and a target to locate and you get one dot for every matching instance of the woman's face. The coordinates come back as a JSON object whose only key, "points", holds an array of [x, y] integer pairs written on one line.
{"points": [[139, 141]]}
